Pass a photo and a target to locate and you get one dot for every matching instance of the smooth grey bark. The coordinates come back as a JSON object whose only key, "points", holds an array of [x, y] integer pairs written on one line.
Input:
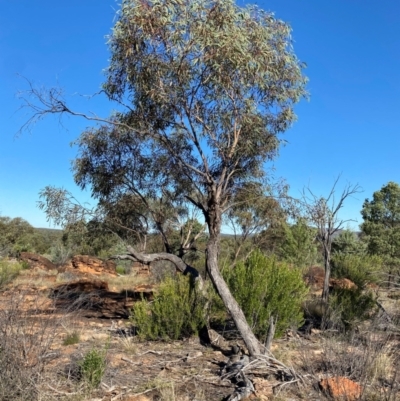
{"points": [[213, 219], [229, 301], [327, 266], [180, 265]]}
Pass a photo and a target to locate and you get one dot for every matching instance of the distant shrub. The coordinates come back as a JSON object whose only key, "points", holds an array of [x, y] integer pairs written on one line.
{"points": [[93, 366], [124, 267], [120, 270], [8, 271], [59, 253], [177, 311], [348, 307], [264, 287], [299, 246], [361, 269], [72, 338], [24, 265], [348, 242]]}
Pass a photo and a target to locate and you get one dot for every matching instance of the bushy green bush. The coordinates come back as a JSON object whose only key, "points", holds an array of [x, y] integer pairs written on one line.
{"points": [[9, 270], [348, 242], [93, 366], [264, 287], [59, 253], [299, 245], [361, 269], [347, 307], [177, 311]]}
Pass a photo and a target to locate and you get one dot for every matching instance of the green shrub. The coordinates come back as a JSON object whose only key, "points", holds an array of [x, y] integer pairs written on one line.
{"points": [[93, 366], [124, 267], [361, 269], [72, 338], [24, 265], [263, 287], [299, 246], [120, 270], [351, 306], [177, 311], [8, 271]]}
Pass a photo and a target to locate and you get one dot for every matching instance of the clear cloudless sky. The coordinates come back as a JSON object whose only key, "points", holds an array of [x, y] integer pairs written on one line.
{"points": [[349, 126]]}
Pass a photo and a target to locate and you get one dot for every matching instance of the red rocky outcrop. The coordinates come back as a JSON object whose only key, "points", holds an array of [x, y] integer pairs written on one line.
{"points": [[341, 388]]}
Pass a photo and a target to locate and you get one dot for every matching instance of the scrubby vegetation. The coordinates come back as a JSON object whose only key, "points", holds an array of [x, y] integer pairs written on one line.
{"points": [[17, 235], [264, 288], [176, 312], [268, 283], [92, 367], [9, 270], [360, 269]]}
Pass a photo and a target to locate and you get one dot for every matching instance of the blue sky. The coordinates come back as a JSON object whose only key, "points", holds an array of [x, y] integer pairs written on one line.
{"points": [[350, 125]]}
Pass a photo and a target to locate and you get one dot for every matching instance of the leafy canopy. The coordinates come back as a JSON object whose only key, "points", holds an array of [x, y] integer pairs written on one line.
{"points": [[206, 87]]}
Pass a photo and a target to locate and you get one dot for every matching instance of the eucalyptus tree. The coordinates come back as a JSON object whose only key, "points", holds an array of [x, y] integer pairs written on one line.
{"points": [[204, 87]]}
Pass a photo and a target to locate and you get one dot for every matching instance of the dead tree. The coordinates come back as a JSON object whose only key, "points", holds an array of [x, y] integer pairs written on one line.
{"points": [[323, 213]]}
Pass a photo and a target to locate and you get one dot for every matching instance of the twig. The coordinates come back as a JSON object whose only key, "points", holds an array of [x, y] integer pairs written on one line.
{"points": [[217, 384], [62, 392], [152, 352], [143, 392], [130, 361], [280, 385]]}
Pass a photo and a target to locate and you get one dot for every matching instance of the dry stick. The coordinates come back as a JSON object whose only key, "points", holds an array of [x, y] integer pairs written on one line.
{"points": [[217, 384], [62, 392], [130, 361], [280, 386], [134, 395], [144, 392], [152, 352]]}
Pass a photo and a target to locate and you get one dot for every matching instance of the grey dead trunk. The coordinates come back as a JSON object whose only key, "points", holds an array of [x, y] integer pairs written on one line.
{"points": [[327, 266], [271, 333]]}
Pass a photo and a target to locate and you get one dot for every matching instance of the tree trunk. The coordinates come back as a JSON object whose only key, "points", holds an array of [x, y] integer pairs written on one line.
{"points": [[230, 303], [271, 333], [213, 219], [327, 265]]}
